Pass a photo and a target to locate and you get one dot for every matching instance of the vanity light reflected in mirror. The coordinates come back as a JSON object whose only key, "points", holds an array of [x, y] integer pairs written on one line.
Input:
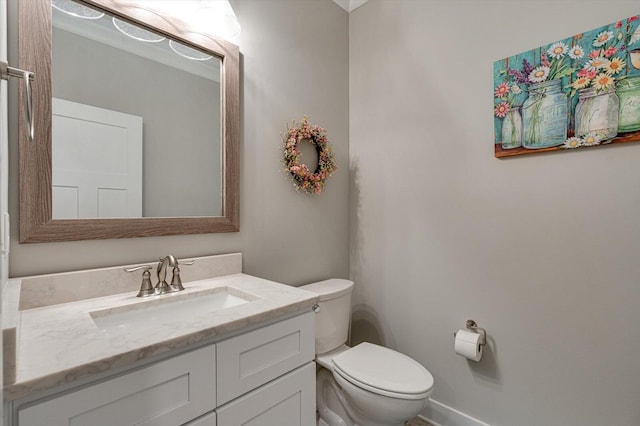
{"points": [[75, 9], [134, 31], [187, 52], [216, 18], [143, 112]]}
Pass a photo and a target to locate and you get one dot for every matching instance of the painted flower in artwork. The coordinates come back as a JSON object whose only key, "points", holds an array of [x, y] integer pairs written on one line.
{"points": [[558, 50], [603, 81], [591, 139], [596, 63], [552, 65], [502, 90], [505, 95], [539, 74], [572, 142], [605, 64], [576, 52], [501, 109], [521, 76], [602, 38], [581, 83], [586, 73], [614, 66]]}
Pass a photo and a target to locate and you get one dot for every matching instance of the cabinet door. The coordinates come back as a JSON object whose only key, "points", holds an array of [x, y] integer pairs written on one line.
{"points": [[287, 401], [206, 420], [252, 359], [168, 393]]}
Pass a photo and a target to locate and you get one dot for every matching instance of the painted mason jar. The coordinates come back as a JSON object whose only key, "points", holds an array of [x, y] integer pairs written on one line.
{"points": [[544, 115], [597, 112], [512, 129], [629, 93]]}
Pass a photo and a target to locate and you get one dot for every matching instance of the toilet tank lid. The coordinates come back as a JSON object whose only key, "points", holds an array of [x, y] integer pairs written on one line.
{"points": [[329, 289]]}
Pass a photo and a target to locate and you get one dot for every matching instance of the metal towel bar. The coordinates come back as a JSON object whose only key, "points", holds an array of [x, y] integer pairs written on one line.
{"points": [[5, 72]]}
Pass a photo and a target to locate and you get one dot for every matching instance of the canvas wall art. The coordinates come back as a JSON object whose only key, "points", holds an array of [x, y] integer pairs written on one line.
{"points": [[578, 92]]}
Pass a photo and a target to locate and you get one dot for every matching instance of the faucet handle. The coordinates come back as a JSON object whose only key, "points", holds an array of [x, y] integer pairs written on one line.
{"points": [[137, 268], [146, 287], [176, 281]]}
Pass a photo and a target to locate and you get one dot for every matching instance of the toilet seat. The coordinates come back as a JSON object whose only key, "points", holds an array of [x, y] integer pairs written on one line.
{"points": [[383, 371]]}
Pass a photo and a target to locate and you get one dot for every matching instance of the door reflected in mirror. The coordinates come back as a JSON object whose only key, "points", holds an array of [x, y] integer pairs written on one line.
{"points": [[136, 123]]}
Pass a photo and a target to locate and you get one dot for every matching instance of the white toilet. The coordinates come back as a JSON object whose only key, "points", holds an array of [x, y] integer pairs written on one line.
{"points": [[367, 385]]}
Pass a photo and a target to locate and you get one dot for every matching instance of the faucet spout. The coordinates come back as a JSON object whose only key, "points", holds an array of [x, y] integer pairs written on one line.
{"points": [[170, 261], [161, 272]]}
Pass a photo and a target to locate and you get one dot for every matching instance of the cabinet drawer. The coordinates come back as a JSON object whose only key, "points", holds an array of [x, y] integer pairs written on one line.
{"points": [[287, 401], [168, 393], [252, 359]]}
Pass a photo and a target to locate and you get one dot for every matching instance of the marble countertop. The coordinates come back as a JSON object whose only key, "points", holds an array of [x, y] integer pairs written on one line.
{"points": [[61, 343]]}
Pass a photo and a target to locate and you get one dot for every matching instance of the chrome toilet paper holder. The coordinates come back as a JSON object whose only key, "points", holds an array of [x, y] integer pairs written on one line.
{"points": [[473, 326]]}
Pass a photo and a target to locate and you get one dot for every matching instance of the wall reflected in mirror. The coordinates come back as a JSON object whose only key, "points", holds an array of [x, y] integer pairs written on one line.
{"points": [[136, 122]]}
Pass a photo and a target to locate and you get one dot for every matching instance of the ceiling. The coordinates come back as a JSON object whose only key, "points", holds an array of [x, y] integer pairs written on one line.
{"points": [[350, 5]]}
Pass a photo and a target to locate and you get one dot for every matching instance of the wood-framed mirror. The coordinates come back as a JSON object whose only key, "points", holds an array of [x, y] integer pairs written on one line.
{"points": [[52, 208]]}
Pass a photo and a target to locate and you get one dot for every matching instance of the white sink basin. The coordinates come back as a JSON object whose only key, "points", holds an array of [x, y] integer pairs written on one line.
{"points": [[170, 309]]}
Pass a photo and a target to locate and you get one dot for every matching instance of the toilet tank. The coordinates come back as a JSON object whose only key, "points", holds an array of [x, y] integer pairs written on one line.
{"points": [[332, 322]]}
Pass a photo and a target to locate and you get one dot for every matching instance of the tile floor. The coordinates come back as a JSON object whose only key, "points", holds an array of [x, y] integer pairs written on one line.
{"points": [[417, 422]]}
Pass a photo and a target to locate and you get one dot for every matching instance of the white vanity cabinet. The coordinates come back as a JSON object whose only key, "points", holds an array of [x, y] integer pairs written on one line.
{"points": [[253, 360], [168, 393], [264, 377], [286, 401], [208, 419]]}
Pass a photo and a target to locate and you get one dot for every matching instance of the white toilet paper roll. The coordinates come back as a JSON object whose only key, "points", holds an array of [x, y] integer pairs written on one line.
{"points": [[467, 344]]}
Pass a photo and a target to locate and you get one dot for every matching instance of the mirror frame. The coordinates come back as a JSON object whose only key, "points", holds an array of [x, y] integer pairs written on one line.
{"points": [[36, 222]]}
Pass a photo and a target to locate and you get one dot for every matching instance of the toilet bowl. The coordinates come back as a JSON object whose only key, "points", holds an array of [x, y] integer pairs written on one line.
{"points": [[367, 385]]}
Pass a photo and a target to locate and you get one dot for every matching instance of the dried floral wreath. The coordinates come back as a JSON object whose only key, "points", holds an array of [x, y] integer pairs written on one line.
{"points": [[304, 179]]}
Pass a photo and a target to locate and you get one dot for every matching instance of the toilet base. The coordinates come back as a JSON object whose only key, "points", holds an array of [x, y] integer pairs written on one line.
{"points": [[331, 411], [334, 410]]}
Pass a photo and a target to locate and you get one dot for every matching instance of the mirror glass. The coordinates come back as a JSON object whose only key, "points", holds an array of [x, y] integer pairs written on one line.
{"points": [[136, 121]]}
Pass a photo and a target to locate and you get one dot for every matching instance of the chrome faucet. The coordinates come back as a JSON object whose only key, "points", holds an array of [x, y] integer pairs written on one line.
{"points": [[161, 287]]}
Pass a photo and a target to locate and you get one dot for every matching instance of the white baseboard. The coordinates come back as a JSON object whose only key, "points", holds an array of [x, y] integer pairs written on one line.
{"points": [[439, 414]]}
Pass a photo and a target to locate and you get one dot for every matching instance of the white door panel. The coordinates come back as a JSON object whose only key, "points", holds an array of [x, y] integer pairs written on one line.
{"points": [[97, 158]]}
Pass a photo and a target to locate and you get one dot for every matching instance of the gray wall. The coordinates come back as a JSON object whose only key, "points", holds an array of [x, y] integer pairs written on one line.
{"points": [[180, 112], [541, 250], [289, 68]]}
